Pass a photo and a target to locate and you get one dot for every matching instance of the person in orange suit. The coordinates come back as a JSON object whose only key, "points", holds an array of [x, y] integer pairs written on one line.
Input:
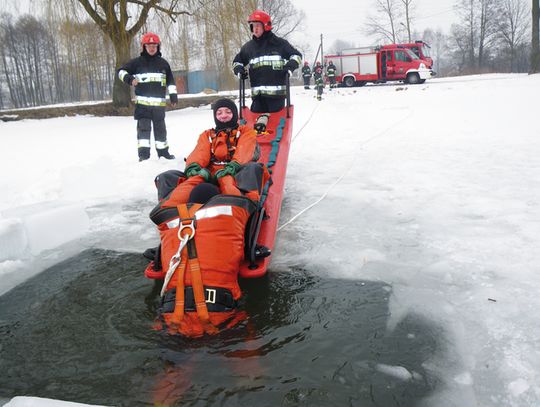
{"points": [[226, 155]]}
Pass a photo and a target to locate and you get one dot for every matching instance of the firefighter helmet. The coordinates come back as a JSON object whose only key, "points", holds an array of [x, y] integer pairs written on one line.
{"points": [[306, 63], [259, 16], [150, 38]]}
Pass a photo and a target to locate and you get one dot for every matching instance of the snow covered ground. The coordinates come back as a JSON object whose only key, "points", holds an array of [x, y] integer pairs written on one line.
{"points": [[433, 188]]}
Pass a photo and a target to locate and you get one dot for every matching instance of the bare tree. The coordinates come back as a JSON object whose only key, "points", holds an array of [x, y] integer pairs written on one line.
{"points": [[285, 17], [121, 20], [439, 49], [459, 45], [408, 11], [478, 29], [487, 28], [465, 34], [513, 26], [222, 28], [384, 26], [535, 51], [26, 60]]}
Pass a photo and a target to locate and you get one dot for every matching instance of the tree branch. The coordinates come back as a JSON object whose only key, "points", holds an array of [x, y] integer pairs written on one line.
{"points": [[93, 14]]}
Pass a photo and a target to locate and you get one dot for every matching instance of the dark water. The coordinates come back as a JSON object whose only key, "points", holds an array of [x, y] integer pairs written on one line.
{"points": [[81, 331]]}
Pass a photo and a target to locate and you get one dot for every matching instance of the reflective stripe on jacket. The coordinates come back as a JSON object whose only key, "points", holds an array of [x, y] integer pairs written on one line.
{"points": [[266, 57], [155, 79]]}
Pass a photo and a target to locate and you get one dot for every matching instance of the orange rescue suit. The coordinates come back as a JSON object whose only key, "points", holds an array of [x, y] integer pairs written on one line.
{"points": [[213, 151], [214, 253]]}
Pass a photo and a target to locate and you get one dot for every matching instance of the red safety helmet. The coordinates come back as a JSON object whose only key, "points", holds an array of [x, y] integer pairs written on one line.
{"points": [[150, 38], [306, 63], [259, 16], [318, 63]]}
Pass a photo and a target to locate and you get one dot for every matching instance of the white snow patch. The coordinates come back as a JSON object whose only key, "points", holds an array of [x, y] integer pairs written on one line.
{"points": [[398, 372], [518, 387]]}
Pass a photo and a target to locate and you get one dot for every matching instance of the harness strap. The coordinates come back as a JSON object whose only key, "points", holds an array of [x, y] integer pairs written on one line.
{"points": [[196, 279], [178, 313], [186, 232], [231, 141]]}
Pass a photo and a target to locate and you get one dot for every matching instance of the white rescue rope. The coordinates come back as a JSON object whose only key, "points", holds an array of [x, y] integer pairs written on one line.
{"points": [[338, 180], [306, 123]]}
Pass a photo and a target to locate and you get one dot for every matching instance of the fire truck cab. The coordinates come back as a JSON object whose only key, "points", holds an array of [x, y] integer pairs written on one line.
{"points": [[420, 48]]}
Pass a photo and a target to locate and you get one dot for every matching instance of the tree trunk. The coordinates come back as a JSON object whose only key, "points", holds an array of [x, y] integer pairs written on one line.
{"points": [[535, 48], [121, 92]]}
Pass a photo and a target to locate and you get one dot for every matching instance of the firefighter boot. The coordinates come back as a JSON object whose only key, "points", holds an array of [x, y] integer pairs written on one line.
{"points": [[144, 153], [164, 152]]}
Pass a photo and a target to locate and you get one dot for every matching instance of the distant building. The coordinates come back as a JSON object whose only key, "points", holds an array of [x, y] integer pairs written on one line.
{"points": [[196, 81]]}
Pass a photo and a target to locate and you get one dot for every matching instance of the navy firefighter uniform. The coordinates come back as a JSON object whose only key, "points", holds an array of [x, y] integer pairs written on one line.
{"points": [[152, 77]]}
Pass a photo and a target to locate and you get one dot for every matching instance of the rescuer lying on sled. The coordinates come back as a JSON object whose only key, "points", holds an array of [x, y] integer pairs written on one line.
{"points": [[225, 155]]}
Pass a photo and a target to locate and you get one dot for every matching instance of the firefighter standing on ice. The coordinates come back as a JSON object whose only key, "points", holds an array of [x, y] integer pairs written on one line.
{"points": [[306, 73], [318, 78], [151, 76], [331, 74], [270, 58]]}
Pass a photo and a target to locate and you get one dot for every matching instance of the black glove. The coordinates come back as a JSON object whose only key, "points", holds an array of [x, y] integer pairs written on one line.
{"points": [[174, 98], [290, 66], [240, 71]]}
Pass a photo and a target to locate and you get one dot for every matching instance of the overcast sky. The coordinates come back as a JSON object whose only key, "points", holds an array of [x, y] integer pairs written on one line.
{"points": [[335, 19], [344, 19]]}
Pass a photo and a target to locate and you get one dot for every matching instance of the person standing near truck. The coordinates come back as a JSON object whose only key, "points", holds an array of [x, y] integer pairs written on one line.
{"points": [[331, 74]]}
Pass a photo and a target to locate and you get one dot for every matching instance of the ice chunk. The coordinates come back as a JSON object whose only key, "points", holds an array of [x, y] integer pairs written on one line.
{"points": [[20, 401], [518, 387], [13, 241], [399, 372], [51, 228], [464, 378], [46, 226]]}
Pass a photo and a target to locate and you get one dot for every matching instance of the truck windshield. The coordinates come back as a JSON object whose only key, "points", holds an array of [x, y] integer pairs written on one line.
{"points": [[411, 54], [426, 51]]}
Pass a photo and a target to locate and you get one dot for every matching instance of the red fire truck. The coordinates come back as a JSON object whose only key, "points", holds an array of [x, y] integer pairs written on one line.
{"points": [[395, 62]]}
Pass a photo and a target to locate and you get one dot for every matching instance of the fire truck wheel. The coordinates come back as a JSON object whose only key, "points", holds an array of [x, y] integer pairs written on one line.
{"points": [[349, 81], [413, 78]]}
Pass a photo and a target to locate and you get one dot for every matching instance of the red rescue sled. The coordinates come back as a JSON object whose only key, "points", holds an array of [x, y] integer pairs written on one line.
{"points": [[261, 230], [274, 144]]}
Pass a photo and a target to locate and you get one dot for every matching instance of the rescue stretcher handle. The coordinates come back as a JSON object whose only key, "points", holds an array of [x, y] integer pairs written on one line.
{"points": [[288, 87], [242, 96]]}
